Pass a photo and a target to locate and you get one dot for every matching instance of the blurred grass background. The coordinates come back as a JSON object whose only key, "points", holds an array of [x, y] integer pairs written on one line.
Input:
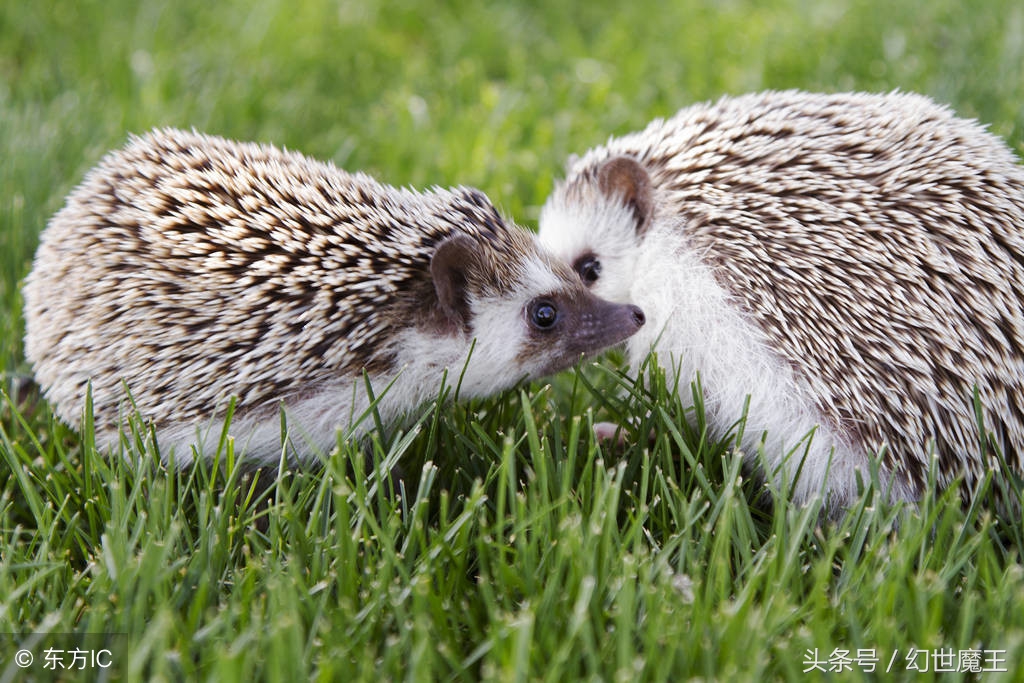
{"points": [[552, 564]]}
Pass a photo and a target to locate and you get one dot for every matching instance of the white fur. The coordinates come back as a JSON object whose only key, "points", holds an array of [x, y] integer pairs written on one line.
{"points": [[700, 333], [500, 328], [572, 229], [314, 421], [312, 425]]}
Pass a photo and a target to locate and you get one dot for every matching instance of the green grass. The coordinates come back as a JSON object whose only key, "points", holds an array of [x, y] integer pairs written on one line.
{"points": [[518, 549]]}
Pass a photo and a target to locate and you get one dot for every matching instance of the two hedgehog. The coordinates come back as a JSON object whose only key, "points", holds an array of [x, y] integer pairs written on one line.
{"points": [[851, 264]]}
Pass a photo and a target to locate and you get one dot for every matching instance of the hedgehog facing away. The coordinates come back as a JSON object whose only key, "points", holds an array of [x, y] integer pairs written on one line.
{"points": [[852, 263], [193, 269]]}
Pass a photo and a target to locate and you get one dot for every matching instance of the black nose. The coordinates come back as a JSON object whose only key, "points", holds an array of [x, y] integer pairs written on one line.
{"points": [[638, 316]]}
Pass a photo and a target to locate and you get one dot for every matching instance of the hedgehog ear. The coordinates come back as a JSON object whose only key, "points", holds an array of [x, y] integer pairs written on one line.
{"points": [[626, 178], [449, 268]]}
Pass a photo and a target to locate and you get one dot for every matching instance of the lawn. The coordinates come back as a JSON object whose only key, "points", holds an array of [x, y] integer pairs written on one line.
{"points": [[516, 547]]}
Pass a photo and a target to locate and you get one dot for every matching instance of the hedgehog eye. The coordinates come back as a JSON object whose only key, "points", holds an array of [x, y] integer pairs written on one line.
{"points": [[542, 314], [589, 269]]}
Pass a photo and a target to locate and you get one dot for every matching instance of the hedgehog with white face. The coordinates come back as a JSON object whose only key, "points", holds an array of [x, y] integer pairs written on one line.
{"points": [[852, 263], [193, 269]]}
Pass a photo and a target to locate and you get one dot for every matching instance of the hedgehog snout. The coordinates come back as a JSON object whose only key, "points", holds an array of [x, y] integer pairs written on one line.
{"points": [[604, 324]]}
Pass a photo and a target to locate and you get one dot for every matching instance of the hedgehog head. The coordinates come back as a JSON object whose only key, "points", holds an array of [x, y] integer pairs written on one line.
{"points": [[527, 313], [596, 220]]}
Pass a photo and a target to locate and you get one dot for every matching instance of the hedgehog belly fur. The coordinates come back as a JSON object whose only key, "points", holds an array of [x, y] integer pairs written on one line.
{"points": [[315, 420], [712, 340]]}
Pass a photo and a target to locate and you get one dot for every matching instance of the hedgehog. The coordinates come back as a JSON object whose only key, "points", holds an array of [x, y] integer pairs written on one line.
{"points": [[852, 264], [189, 272]]}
